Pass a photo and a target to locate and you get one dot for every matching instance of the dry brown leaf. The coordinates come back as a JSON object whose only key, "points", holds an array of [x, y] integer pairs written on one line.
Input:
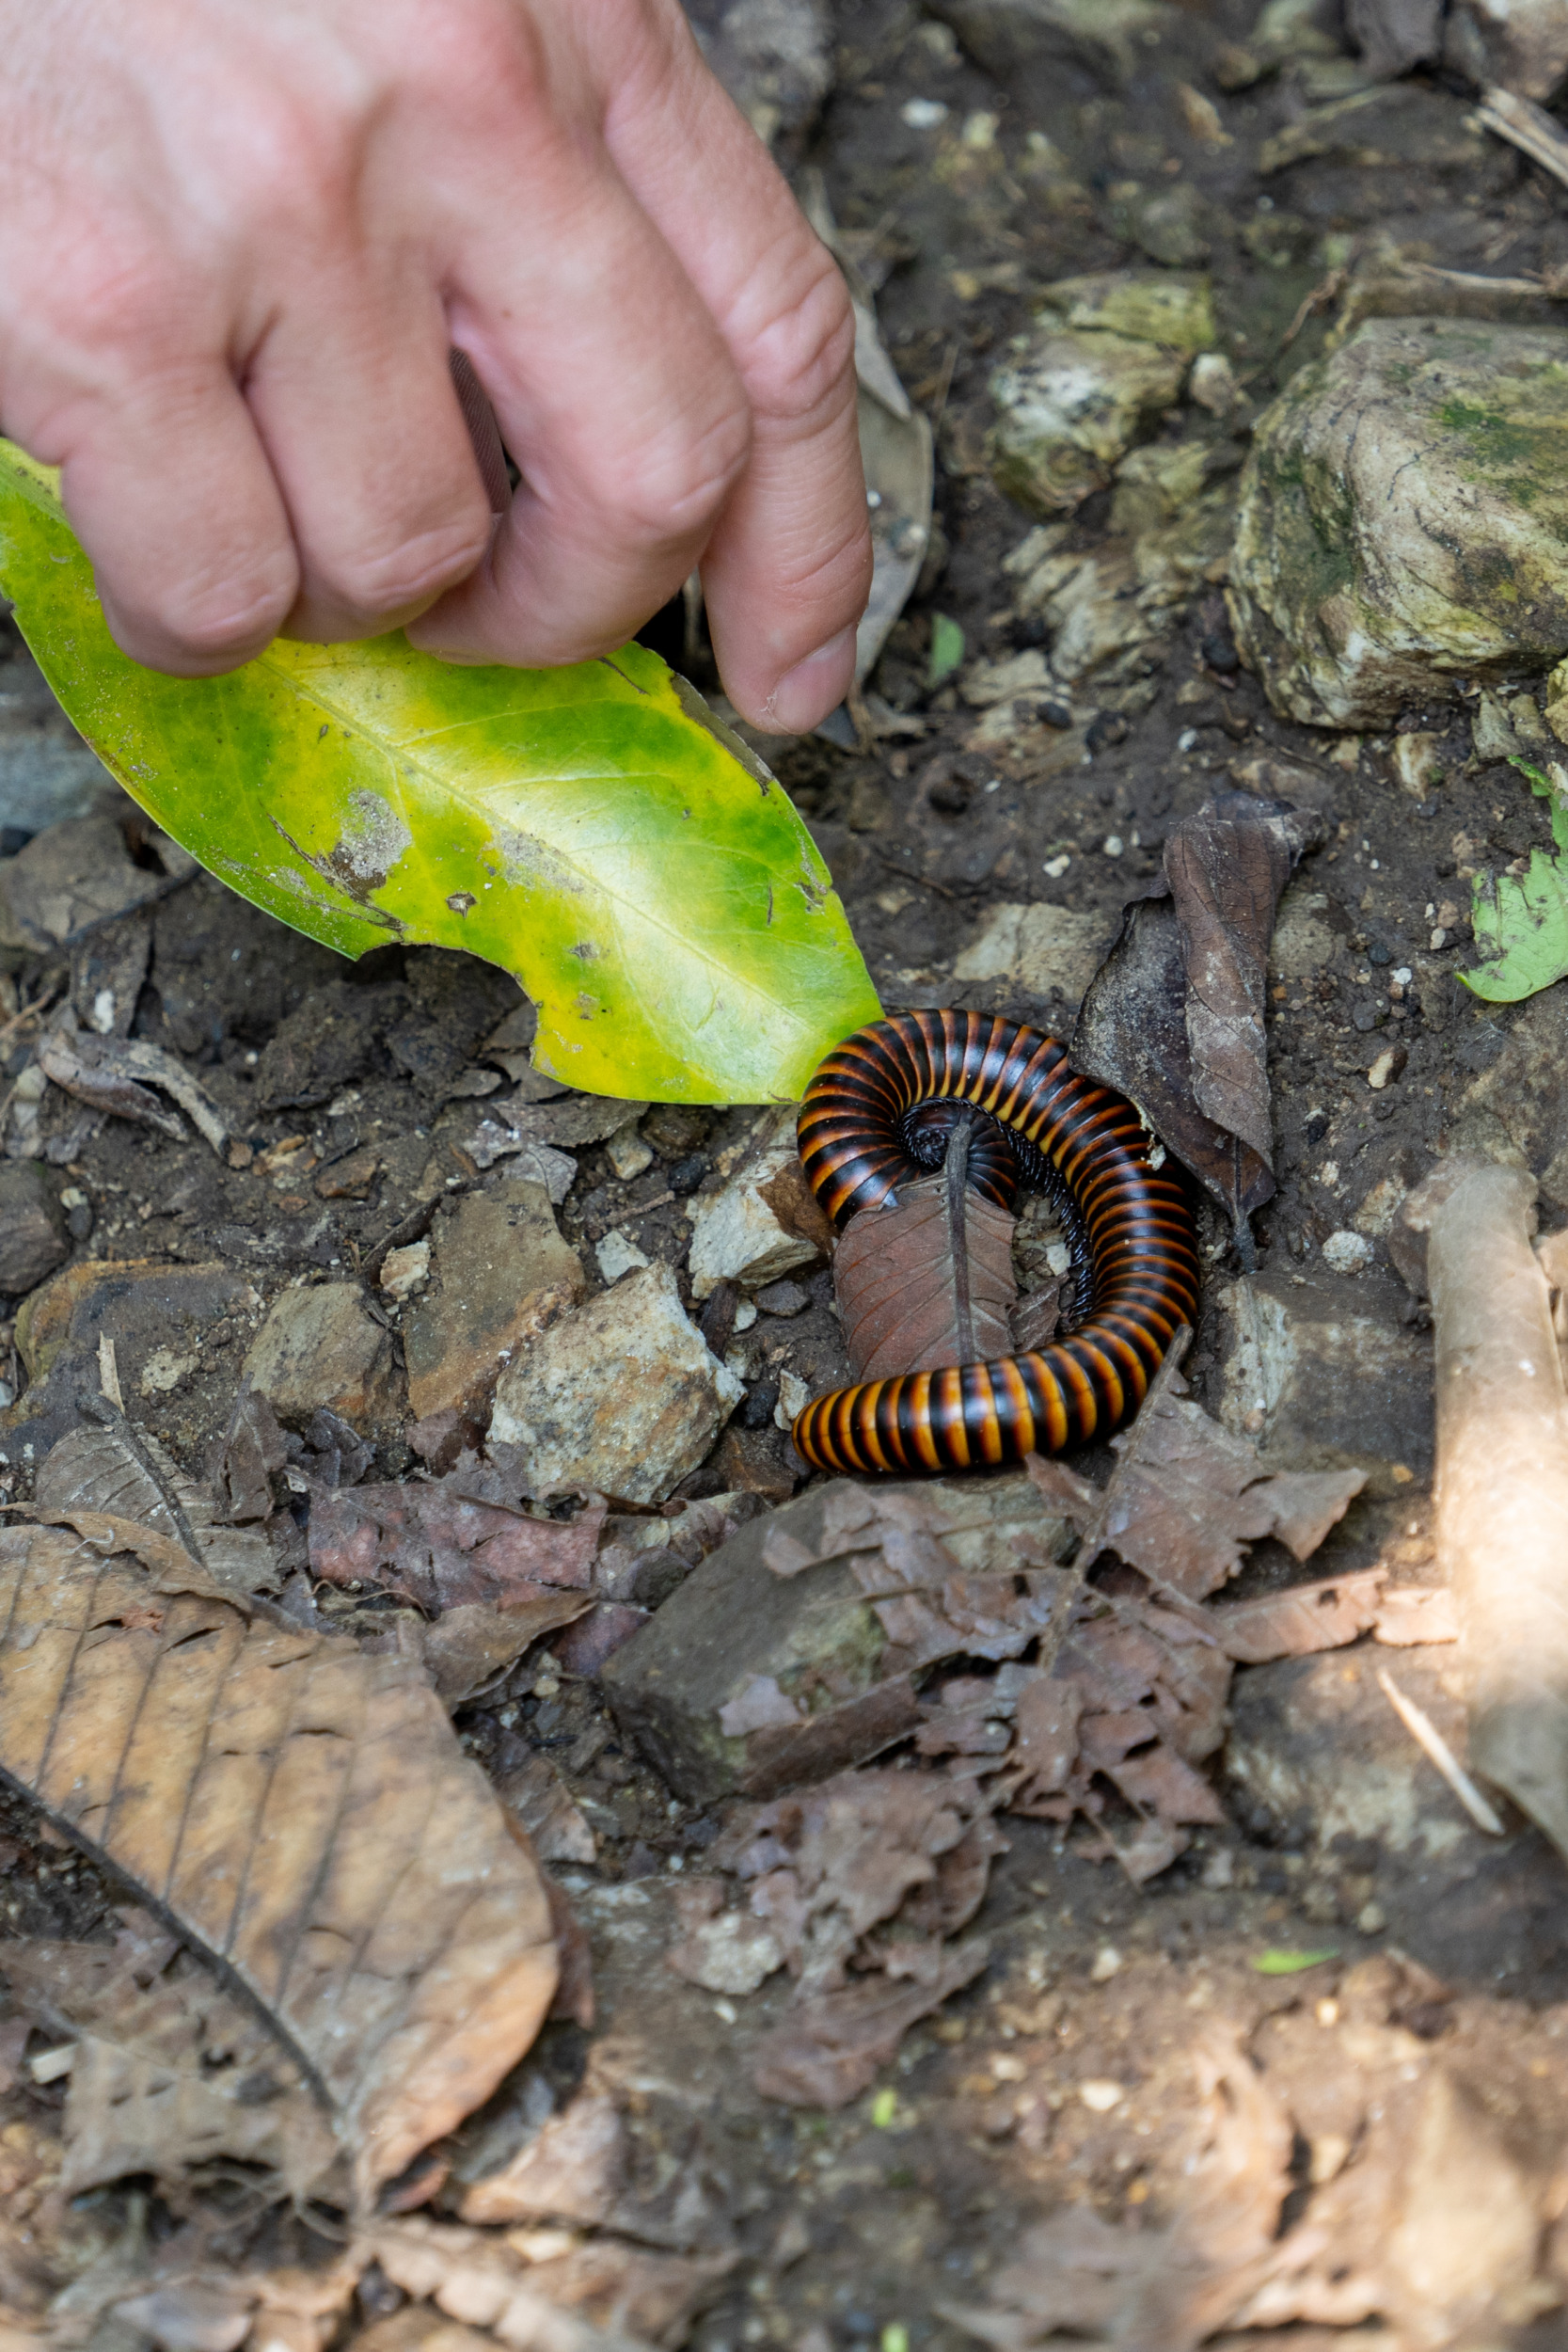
{"points": [[1158, 2290], [930, 1282], [1174, 1017], [470, 1648], [124, 1473], [827, 2048], [574, 2169], [486, 2283], [170, 2070], [1137, 1694], [434, 1546], [838, 1860], [544, 1805], [1187, 1497], [305, 1816], [1302, 1618]]}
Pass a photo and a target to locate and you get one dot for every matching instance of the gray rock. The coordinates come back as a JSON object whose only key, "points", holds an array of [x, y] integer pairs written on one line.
{"points": [[1324, 1377], [1038, 948], [736, 1235], [1521, 44], [500, 1273], [1517, 1109], [1400, 518], [33, 1235], [155, 1314], [47, 773], [324, 1346], [622, 1397], [1318, 1757], [773, 56], [1034, 39], [736, 1625]]}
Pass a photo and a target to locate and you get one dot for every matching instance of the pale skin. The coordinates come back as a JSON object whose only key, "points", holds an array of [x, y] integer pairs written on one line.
{"points": [[237, 242]]}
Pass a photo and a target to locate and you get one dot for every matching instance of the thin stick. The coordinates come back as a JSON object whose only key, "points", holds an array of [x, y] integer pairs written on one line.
{"points": [[108, 1372], [1527, 127], [1426, 1735]]}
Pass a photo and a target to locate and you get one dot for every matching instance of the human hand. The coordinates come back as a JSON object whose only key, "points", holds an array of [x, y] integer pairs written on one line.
{"points": [[237, 244]]}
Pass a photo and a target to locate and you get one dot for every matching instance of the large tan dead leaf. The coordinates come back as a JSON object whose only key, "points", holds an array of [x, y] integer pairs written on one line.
{"points": [[170, 2070], [106, 1466], [302, 1813], [1158, 2290], [927, 1283], [485, 2282]]}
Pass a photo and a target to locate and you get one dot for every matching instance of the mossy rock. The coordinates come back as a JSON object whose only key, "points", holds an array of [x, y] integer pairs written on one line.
{"points": [[1403, 519]]}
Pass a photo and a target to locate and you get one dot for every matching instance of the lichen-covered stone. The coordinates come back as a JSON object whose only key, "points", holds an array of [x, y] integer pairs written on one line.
{"points": [[1110, 352], [1402, 519]]}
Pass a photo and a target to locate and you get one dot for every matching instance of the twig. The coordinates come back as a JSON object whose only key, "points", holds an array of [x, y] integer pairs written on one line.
{"points": [[108, 1372], [905, 875], [1327, 290], [1527, 127], [945, 386], [1426, 1735]]}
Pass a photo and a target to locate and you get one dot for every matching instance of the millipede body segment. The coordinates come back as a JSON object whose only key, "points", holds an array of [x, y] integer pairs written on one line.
{"points": [[875, 1116]]}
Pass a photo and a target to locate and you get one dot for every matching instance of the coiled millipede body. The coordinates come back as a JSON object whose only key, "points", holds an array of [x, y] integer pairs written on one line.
{"points": [[873, 1120]]}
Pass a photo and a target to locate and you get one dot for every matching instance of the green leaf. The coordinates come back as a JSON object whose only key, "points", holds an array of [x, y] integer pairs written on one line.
{"points": [[1278, 1963], [1521, 921], [595, 830], [948, 650]]}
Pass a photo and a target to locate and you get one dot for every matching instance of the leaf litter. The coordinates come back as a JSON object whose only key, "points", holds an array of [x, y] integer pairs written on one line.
{"points": [[1175, 1016]]}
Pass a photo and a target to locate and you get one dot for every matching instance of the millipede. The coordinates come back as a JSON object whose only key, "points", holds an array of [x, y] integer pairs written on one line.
{"points": [[879, 1114]]}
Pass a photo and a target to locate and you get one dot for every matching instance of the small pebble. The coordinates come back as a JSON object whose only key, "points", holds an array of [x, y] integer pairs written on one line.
{"points": [[688, 1174], [405, 1272], [1112, 845], [1057, 866], [923, 114], [1100, 2095], [782, 1299], [628, 1154], [1107, 1963]]}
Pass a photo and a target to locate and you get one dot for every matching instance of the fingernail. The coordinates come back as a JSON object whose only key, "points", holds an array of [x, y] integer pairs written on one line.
{"points": [[804, 695]]}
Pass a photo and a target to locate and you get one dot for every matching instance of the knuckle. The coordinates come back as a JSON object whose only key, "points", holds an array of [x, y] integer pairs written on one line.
{"points": [[801, 362], [379, 583], [669, 490], [208, 629]]}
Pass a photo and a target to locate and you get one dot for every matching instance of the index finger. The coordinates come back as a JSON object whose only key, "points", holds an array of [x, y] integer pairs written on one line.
{"points": [[787, 569]]}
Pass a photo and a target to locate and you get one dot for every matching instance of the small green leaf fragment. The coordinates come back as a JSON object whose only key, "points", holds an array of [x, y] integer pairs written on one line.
{"points": [[896, 2337], [884, 2106], [1275, 1963], [948, 650], [1521, 921]]}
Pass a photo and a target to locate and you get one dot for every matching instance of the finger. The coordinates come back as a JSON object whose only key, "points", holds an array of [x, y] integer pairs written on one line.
{"points": [[171, 493], [616, 398], [788, 568], [354, 400]]}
